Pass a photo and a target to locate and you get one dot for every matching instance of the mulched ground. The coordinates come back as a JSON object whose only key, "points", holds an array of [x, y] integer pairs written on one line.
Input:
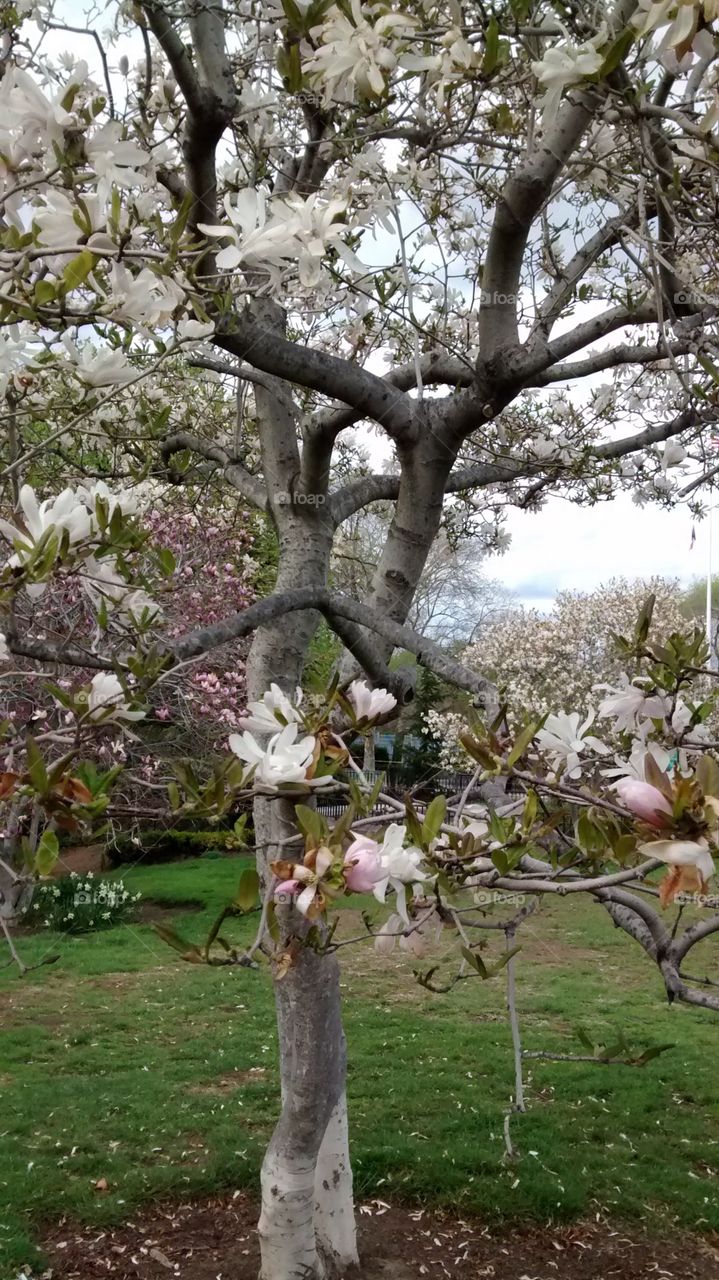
{"points": [[215, 1239]]}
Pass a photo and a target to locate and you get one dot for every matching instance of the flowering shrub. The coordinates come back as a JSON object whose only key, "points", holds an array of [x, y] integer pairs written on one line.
{"points": [[78, 903]]}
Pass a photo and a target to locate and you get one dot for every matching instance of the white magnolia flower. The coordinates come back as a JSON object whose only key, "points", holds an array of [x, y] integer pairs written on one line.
{"points": [[191, 330], [311, 226], [565, 65], [98, 366], [673, 454], [107, 700], [62, 224], [254, 237], [143, 299], [16, 352], [400, 867], [354, 56], [629, 704], [634, 766], [370, 703], [115, 160], [692, 862], [65, 511], [103, 584], [292, 229], [416, 941], [564, 740], [4, 651], [272, 712], [128, 501], [311, 878], [283, 760], [33, 122]]}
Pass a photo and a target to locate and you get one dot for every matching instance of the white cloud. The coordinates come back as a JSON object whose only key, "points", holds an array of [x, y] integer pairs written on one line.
{"points": [[570, 547]]}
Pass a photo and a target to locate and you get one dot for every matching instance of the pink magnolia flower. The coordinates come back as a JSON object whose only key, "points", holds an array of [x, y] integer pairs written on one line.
{"points": [[286, 889], [646, 801], [363, 867]]}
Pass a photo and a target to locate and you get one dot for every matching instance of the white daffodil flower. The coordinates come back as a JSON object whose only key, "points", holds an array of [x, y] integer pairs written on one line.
{"points": [[370, 703], [272, 712]]}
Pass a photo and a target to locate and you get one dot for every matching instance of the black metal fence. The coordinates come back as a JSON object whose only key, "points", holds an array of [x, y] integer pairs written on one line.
{"points": [[396, 785]]}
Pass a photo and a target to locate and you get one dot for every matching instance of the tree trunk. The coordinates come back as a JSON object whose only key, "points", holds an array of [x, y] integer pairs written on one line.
{"points": [[368, 761], [306, 1227]]}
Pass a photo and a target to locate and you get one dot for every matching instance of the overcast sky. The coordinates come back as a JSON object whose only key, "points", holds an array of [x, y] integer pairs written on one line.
{"points": [[565, 546]]}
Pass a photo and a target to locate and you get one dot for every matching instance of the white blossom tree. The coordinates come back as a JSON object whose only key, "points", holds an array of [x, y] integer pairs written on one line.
{"points": [[561, 659], [489, 238]]}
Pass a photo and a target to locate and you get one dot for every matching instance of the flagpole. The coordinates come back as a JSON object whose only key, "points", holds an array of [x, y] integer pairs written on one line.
{"points": [[709, 592]]}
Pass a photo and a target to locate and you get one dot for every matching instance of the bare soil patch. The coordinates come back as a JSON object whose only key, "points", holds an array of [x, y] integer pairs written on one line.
{"points": [[148, 911], [215, 1239], [81, 858], [232, 1080]]}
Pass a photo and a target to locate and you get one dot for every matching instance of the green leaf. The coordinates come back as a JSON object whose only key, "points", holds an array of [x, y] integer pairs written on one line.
{"points": [[249, 889], [78, 269], [617, 51], [46, 854], [294, 69], [341, 828], [707, 775], [433, 818], [36, 767], [523, 740], [414, 826], [475, 961], [654, 1052], [44, 292], [310, 822], [500, 860], [504, 959], [187, 950], [584, 1039], [293, 15], [166, 561], [709, 367], [644, 621], [530, 810], [478, 751], [491, 47]]}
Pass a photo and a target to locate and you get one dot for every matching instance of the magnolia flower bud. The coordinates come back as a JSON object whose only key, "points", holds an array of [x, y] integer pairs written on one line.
{"points": [[646, 801], [124, 65], [286, 892], [362, 865]]}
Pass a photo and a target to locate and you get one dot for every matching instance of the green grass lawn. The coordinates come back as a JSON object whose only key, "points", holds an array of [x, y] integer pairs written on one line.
{"points": [[120, 1063]]}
